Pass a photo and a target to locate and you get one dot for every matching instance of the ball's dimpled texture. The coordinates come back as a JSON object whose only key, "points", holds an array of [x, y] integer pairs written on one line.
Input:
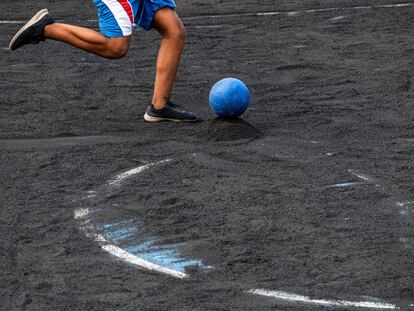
{"points": [[229, 98]]}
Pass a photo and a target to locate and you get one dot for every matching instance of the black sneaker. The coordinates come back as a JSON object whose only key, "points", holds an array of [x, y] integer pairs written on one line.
{"points": [[32, 32], [170, 112]]}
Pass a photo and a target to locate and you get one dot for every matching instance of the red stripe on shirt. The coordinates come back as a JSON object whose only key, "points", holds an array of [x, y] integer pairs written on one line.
{"points": [[127, 7]]}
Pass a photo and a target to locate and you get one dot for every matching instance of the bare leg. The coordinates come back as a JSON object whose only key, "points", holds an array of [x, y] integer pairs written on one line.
{"points": [[88, 40], [169, 25]]}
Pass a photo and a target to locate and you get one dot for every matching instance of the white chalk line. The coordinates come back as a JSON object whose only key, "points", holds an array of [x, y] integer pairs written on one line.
{"points": [[294, 13], [132, 259], [361, 176], [270, 13], [405, 203], [125, 175], [206, 26], [365, 180], [344, 185], [82, 215], [404, 207], [405, 211], [289, 297], [12, 22]]}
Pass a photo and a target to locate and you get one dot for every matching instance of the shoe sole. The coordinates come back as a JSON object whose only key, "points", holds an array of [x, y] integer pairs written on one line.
{"points": [[149, 118], [39, 15]]}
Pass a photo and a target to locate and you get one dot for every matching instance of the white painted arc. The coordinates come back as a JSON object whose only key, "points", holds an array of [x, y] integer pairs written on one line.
{"points": [[127, 257], [122, 176], [87, 228], [82, 214], [289, 297]]}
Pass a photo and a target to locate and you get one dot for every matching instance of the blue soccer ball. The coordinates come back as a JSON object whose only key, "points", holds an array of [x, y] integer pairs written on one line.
{"points": [[229, 98]]}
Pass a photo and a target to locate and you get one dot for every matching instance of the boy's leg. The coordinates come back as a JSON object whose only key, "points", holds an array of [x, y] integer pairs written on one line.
{"points": [[169, 25], [42, 27], [88, 40]]}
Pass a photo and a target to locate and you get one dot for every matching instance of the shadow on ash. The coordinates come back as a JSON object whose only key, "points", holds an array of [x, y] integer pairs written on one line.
{"points": [[227, 130]]}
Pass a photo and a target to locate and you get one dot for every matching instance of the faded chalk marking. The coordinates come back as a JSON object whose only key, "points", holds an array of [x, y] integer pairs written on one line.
{"points": [[361, 7], [366, 180], [321, 10], [345, 184], [206, 26], [265, 14], [361, 176], [404, 207], [12, 22], [404, 211], [337, 19], [292, 13], [112, 225], [91, 194], [24, 65], [394, 5], [120, 234], [401, 204], [371, 298], [231, 15], [81, 213], [289, 297], [403, 240], [121, 177]]}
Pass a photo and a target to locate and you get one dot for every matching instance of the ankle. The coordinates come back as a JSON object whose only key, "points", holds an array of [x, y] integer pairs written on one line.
{"points": [[48, 30], [159, 104]]}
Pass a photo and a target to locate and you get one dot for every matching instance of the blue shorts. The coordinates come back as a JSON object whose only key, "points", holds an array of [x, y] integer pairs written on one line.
{"points": [[118, 17]]}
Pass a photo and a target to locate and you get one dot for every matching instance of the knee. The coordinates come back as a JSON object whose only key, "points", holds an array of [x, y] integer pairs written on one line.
{"points": [[119, 51], [178, 34], [181, 34]]}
